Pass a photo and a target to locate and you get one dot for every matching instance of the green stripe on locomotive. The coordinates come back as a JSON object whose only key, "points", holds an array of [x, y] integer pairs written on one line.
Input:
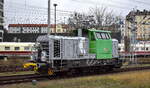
{"points": [[100, 43]]}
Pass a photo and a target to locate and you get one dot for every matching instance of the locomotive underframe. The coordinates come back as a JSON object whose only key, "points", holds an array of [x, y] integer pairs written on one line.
{"points": [[66, 65]]}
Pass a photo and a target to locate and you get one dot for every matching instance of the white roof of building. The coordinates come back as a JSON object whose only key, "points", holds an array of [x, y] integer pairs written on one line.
{"points": [[16, 43]]}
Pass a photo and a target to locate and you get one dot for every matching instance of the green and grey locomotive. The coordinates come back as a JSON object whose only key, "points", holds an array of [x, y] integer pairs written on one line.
{"points": [[62, 53]]}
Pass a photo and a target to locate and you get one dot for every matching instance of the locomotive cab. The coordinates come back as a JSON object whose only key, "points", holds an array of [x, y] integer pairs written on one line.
{"points": [[100, 44]]}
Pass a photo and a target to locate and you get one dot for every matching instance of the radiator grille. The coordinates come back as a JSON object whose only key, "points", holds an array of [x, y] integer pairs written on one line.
{"points": [[56, 48]]}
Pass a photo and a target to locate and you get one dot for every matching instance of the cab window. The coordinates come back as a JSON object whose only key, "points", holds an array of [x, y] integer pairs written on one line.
{"points": [[107, 36], [98, 35], [101, 35]]}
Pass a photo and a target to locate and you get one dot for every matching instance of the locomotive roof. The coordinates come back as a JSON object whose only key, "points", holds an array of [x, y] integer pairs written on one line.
{"points": [[46, 37], [98, 30]]}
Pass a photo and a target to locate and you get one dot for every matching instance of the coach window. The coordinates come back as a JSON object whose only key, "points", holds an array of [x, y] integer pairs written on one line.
{"points": [[137, 48], [26, 48], [146, 48], [7, 48], [17, 48], [142, 48]]}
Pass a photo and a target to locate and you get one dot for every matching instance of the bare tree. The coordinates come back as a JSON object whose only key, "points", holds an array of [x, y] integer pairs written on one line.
{"points": [[97, 17], [81, 20], [109, 18]]}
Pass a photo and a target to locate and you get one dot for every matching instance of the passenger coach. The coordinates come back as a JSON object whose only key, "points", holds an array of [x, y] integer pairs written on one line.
{"points": [[16, 49]]}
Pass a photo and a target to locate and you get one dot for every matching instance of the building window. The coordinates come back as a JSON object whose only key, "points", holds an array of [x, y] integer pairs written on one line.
{"points": [[1, 20], [2, 1], [17, 48], [1, 6], [65, 30], [1, 14], [7, 48], [58, 30], [44, 29]]}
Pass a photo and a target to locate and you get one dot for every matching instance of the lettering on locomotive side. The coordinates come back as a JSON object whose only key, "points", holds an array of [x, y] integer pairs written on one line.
{"points": [[93, 62], [106, 49], [98, 62]]}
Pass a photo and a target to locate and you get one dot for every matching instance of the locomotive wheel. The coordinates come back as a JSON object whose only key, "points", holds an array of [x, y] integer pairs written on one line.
{"points": [[109, 68], [50, 71], [71, 72]]}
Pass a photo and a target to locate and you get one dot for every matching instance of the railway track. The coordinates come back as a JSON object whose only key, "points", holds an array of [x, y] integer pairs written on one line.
{"points": [[13, 68], [30, 77], [20, 78]]}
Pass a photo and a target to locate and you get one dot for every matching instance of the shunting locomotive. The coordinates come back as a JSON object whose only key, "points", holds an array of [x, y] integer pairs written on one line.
{"points": [[62, 53]]}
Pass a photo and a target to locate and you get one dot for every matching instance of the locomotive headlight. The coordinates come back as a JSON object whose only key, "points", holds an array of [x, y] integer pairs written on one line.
{"points": [[43, 56]]}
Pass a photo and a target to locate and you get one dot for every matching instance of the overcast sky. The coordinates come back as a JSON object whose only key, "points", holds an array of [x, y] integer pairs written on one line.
{"points": [[118, 6], [83, 5]]}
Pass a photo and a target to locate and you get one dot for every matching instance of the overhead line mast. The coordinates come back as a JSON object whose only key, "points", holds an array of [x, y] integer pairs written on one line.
{"points": [[49, 17]]}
